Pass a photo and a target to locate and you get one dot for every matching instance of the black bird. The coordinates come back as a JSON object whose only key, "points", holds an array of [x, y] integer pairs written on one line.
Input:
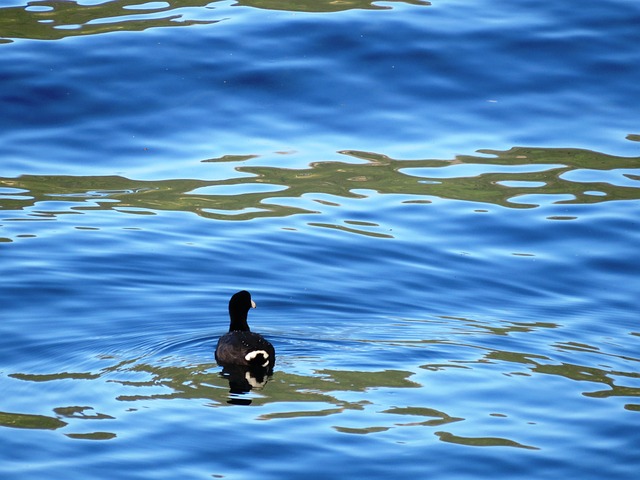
{"points": [[241, 346]]}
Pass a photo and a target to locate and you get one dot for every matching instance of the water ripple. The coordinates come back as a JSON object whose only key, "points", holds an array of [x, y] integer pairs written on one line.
{"points": [[479, 309]]}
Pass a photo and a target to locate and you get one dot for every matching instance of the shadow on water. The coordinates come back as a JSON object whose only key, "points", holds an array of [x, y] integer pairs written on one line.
{"points": [[516, 178], [57, 19]]}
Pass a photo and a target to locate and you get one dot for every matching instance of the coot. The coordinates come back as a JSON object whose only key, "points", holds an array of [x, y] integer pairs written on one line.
{"points": [[241, 346]]}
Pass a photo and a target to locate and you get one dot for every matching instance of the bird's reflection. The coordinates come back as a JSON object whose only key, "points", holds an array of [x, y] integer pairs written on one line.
{"points": [[242, 379]]}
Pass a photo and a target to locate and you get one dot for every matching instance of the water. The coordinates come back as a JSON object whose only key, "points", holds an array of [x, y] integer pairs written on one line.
{"points": [[435, 208]]}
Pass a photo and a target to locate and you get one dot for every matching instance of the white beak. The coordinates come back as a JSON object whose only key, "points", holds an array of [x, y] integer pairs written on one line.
{"points": [[253, 304]]}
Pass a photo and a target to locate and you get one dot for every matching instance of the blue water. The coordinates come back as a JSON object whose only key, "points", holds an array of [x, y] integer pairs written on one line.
{"points": [[435, 207]]}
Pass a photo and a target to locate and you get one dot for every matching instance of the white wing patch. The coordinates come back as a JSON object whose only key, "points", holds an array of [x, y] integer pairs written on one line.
{"points": [[251, 355]]}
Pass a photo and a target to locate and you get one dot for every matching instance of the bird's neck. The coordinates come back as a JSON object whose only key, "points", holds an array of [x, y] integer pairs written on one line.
{"points": [[239, 322]]}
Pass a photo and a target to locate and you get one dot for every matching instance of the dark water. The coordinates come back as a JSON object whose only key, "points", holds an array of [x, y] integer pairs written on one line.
{"points": [[435, 207]]}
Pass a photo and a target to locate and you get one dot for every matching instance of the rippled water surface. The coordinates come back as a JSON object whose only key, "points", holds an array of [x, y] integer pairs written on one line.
{"points": [[434, 205]]}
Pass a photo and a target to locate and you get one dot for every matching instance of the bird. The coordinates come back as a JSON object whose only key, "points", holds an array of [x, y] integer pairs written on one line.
{"points": [[240, 346]]}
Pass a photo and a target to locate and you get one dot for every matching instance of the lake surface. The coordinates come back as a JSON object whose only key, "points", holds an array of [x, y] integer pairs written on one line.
{"points": [[436, 207]]}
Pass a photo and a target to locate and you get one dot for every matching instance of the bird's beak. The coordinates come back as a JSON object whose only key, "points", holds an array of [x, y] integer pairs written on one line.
{"points": [[253, 304]]}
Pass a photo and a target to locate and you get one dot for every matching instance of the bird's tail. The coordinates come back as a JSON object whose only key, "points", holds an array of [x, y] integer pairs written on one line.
{"points": [[257, 358]]}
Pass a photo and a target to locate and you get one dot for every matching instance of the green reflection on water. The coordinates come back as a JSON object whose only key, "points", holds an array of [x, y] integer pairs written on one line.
{"points": [[361, 431], [199, 382], [204, 382], [54, 376], [81, 412], [22, 420], [481, 441], [56, 19], [541, 364], [547, 173], [92, 436], [323, 5], [436, 418], [504, 328], [53, 20]]}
